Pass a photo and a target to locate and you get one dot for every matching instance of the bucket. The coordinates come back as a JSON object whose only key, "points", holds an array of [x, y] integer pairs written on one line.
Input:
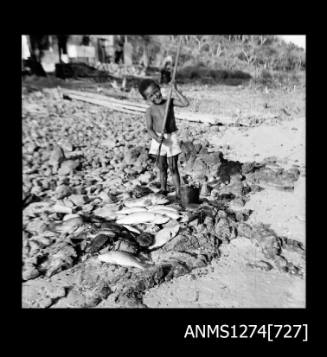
{"points": [[189, 194]]}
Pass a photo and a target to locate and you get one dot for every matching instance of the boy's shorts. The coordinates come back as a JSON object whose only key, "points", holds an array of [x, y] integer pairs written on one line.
{"points": [[171, 149]]}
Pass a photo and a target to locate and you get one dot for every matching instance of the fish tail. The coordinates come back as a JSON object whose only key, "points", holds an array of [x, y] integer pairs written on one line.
{"points": [[145, 266]]}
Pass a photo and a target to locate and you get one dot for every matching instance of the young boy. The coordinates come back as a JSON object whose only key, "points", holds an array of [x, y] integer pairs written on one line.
{"points": [[170, 148]]}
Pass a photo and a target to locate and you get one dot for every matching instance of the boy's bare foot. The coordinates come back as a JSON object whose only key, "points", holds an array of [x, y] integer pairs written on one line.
{"points": [[163, 192]]}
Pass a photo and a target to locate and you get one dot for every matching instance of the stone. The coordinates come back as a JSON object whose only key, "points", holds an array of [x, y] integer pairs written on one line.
{"points": [[43, 241], [68, 166], [78, 199], [68, 203], [36, 226], [222, 230], [140, 191], [146, 177], [30, 272], [203, 164], [228, 169], [132, 155], [221, 214], [80, 190], [63, 259], [244, 230], [237, 203], [138, 168], [67, 146], [40, 294], [60, 207], [57, 156], [62, 191], [37, 191], [108, 211], [105, 197], [88, 208], [262, 265], [74, 299], [36, 208], [209, 223], [129, 171], [63, 180], [203, 151]]}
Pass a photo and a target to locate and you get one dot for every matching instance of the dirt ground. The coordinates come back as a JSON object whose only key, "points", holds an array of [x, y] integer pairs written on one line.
{"points": [[272, 126]]}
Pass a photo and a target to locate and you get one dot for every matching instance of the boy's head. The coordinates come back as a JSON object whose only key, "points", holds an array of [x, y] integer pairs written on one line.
{"points": [[150, 90]]}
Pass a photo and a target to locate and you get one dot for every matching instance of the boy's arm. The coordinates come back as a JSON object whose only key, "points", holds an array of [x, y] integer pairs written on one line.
{"points": [[179, 99], [149, 127]]}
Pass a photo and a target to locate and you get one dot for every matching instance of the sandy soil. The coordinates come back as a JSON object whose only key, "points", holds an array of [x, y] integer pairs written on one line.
{"points": [[230, 283]]}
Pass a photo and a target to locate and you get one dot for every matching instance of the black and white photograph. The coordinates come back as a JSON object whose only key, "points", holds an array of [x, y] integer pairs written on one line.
{"points": [[163, 171]]}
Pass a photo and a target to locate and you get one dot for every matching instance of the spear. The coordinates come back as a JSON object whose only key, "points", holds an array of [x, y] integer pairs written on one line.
{"points": [[169, 97]]}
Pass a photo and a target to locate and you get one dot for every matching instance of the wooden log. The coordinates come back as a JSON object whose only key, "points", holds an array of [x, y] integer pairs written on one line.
{"points": [[134, 108], [105, 98], [110, 105], [106, 104]]}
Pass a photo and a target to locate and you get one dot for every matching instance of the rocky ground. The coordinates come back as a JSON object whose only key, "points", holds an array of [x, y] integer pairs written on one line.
{"points": [[243, 246]]}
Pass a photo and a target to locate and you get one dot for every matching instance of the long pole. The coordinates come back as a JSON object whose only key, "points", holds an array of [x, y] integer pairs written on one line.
{"points": [[125, 67], [169, 96]]}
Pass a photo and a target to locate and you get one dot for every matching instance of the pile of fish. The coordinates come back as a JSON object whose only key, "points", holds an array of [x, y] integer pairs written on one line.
{"points": [[129, 260], [150, 209], [142, 225]]}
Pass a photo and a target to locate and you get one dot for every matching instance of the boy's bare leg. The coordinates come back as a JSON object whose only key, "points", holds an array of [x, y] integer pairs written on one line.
{"points": [[163, 173], [173, 167]]}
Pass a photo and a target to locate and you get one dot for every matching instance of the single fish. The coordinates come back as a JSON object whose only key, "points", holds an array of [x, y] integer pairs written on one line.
{"points": [[168, 213], [80, 230], [61, 208], [103, 231], [164, 235], [160, 219], [137, 218], [108, 211], [116, 228], [149, 200], [131, 210], [159, 207], [122, 258], [97, 243], [132, 229], [69, 225]]}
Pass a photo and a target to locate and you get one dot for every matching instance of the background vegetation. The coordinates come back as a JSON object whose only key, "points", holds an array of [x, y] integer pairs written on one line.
{"points": [[266, 59]]}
